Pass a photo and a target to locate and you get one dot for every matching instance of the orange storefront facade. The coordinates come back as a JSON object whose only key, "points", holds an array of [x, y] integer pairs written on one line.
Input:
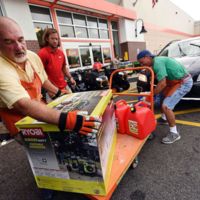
{"points": [[89, 30]]}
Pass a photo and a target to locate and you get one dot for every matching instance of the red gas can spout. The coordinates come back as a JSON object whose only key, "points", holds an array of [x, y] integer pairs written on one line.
{"points": [[133, 109]]}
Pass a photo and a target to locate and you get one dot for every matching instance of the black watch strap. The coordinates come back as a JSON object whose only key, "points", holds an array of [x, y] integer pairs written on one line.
{"points": [[57, 94]]}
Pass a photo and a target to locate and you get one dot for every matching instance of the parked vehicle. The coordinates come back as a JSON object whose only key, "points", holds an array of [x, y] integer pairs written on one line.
{"points": [[187, 52]]}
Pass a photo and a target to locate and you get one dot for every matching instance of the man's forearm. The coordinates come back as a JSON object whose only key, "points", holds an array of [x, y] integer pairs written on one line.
{"points": [[158, 89], [67, 72], [70, 121], [37, 110], [51, 89], [160, 86]]}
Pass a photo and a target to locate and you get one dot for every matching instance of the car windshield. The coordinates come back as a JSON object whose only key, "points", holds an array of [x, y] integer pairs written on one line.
{"points": [[185, 48]]}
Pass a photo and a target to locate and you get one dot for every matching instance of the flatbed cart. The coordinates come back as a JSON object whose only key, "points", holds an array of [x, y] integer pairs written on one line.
{"points": [[127, 147]]}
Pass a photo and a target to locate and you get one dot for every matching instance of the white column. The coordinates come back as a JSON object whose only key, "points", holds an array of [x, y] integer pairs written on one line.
{"points": [[20, 12]]}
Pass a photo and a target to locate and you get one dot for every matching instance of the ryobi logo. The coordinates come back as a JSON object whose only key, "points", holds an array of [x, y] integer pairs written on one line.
{"points": [[33, 132]]}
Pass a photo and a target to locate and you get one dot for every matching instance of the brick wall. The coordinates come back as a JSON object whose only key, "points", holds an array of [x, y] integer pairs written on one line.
{"points": [[33, 45]]}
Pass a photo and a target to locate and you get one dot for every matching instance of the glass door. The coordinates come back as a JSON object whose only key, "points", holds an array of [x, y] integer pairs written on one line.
{"points": [[85, 53], [91, 54], [97, 54]]}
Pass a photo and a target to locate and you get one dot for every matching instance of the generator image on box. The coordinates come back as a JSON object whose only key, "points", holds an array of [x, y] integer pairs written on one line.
{"points": [[69, 161]]}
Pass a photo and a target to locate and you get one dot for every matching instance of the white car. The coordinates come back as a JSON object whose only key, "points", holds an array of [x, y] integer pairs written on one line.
{"points": [[187, 52]]}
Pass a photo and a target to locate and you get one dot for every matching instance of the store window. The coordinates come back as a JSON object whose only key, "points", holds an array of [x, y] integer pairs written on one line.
{"points": [[106, 55], [114, 25], [103, 23], [1, 12], [103, 29], [81, 26], [79, 20], [40, 14], [93, 33], [92, 27], [81, 32], [97, 55], [85, 57], [67, 31], [40, 26], [64, 18], [73, 58], [104, 34], [66, 24], [92, 22], [116, 44], [41, 19]]}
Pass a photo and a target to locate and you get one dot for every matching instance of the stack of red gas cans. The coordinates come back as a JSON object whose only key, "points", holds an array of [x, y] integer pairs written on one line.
{"points": [[137, 120]]}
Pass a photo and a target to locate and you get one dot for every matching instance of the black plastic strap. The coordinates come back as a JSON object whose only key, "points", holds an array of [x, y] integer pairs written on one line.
{"points": [[62, 122], [79, 123]]}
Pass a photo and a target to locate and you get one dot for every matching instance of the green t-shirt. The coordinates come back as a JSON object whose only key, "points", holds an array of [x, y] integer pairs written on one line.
{"points": [[165, 67]]}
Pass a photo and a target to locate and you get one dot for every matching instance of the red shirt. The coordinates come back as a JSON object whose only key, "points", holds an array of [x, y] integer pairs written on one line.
{"points": [[53, 62]]}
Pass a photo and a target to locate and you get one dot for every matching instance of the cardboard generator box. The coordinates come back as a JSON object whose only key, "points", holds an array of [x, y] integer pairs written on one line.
{"points": [[68, 161]]}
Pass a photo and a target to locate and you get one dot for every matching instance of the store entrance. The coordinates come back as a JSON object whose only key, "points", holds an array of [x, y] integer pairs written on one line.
{"points": [[90, 54]]}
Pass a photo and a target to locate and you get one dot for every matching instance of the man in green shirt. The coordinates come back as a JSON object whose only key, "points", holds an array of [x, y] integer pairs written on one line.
{"points": [[173, 83]]}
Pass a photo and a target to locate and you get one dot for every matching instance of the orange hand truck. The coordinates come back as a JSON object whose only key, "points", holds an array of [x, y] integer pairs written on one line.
{"points": [[127, 147]]}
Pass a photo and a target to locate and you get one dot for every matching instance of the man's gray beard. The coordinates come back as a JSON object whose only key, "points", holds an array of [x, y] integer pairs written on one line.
{"points": [[21, 60]]}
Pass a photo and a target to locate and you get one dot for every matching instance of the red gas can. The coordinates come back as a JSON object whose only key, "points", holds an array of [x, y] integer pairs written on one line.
{"points": [[121, 110], [140, 120]]}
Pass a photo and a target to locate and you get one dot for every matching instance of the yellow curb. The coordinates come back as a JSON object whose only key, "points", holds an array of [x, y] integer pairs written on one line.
{"points": [[182, 112], [187, 111], [157, 116], [188, 123]]}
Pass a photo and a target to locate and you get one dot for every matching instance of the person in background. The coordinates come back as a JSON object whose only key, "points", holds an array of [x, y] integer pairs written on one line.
{"points": [[54, 61], [97, 65], [174, 82], [116, 62], [21, 77]]}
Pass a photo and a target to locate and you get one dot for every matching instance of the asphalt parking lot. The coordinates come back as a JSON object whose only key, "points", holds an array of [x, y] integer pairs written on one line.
{"points": [[164, 172]]}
